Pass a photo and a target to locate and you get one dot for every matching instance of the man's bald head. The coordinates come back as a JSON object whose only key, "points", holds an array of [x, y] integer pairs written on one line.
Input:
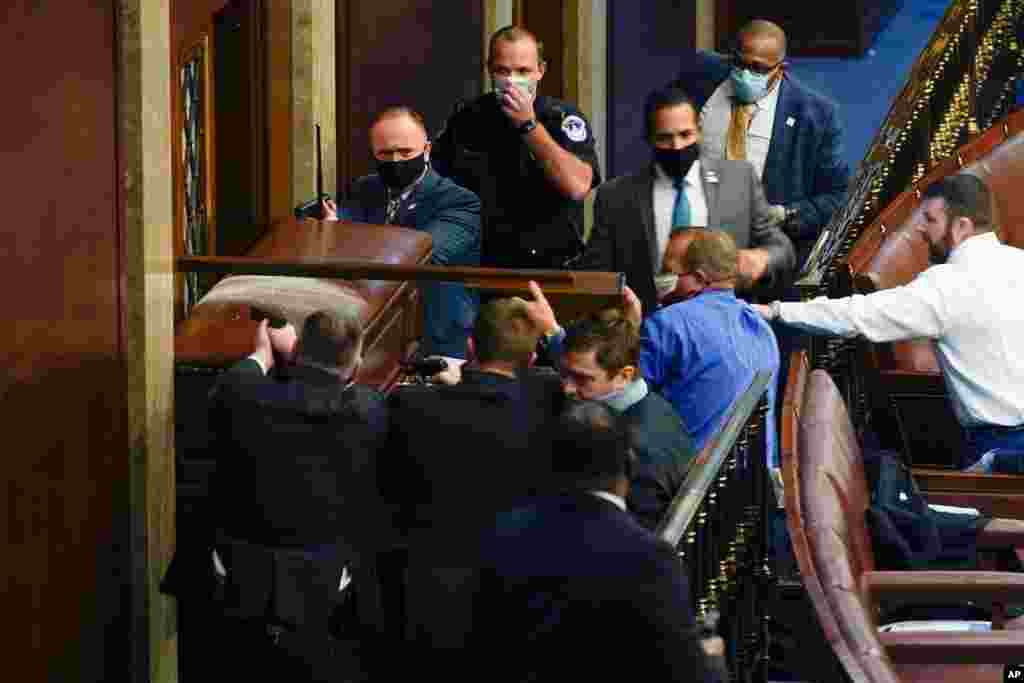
{"points": [[764, 39]]}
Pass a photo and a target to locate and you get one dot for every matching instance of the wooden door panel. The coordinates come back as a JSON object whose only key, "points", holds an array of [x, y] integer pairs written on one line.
{"points": [[415, 52]]}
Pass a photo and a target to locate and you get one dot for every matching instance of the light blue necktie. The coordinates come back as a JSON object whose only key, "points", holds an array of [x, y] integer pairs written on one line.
{"points": [[681, 209]]}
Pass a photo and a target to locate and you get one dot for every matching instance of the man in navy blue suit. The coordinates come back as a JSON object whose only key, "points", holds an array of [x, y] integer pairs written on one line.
{"points": [[752, 109], [573, 588], [406, 191]]}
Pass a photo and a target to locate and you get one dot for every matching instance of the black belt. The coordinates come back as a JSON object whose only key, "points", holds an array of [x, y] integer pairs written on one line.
{"points": [[995, 429]]}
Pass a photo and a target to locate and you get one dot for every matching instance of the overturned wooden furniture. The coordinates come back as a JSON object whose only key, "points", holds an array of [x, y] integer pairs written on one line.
{"points": [[903, 387], [220, 329], [302, 266], [826, 498]]}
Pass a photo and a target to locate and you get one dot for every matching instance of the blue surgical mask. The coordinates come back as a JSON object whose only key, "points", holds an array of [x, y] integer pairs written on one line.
{"points": [[611, 397], [749, 87]]}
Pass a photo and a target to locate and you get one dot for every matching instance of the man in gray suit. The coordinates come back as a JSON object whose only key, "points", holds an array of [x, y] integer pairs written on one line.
{"points": [[634, 214]]}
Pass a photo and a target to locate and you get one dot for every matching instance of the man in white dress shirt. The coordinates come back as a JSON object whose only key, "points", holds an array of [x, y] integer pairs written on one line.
{"points": [[968, 302]]}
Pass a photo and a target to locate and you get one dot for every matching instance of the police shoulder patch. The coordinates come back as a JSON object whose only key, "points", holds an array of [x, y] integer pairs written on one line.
{"points": [[575, 128]]}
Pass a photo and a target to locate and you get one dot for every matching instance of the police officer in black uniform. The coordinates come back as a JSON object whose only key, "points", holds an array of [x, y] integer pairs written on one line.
{"points": [[530, 159]]}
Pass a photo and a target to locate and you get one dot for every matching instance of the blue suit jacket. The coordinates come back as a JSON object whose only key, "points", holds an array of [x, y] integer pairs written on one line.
{"points": [[451, 215], [449, 212], [805, 167]]}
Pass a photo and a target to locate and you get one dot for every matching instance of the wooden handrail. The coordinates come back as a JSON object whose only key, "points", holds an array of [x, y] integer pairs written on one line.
{"points": [[556, 281], [705, 470]]}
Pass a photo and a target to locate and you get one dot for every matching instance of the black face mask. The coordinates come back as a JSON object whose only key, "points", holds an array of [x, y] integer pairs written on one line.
{"points": [[400, 174], [677, 162]]}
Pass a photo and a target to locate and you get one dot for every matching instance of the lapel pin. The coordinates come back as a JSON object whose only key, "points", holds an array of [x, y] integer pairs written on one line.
{"points": [[790, 121]]}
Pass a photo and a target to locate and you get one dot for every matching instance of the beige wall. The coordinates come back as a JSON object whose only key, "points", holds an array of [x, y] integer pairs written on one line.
{"points": [[145, 162], [706, 24], [313, 96]]}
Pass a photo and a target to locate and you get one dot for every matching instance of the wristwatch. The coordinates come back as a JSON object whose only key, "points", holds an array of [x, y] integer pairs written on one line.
{"points": [[791, 212], [525, 128], [548, 337]]}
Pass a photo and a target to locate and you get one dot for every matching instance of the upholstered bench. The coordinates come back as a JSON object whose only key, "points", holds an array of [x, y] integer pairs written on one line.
{"points": [[826, 498]]}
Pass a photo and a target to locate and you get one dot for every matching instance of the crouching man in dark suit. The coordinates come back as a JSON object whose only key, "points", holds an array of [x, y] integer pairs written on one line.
{"points": [[573, 588], [460, 454], [297, 516]]}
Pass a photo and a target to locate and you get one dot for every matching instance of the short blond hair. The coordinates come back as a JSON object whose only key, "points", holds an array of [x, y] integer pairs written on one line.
{"points": [[712, 251], [511, 34]]}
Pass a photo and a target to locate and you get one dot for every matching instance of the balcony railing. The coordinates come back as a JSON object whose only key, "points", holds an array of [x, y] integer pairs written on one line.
{"points": [[962, 82], [718, 525]]}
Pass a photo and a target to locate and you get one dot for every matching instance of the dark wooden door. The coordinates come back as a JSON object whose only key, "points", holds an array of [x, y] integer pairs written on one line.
{"points": [[843, 29], [545, 18], [240, 174], [62, 378], [416, 52], [646, 41]]}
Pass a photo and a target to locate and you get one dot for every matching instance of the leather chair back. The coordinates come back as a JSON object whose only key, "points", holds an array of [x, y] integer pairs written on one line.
{"points": [[218, 334], [825, 498]]}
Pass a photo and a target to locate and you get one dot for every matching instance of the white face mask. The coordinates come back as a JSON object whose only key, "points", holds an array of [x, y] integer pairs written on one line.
{"points": [[665, 284], [525, 84]]}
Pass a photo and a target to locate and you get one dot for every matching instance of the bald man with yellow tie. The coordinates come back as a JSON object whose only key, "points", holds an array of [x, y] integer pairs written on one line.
{"points": [[752, 109]]}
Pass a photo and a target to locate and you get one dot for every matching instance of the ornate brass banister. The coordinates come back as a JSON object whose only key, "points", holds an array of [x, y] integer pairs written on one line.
{"points": [[959, 85], [718, 525]]}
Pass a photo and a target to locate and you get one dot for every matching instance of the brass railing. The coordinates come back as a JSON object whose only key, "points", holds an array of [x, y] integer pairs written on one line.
{"points": [[718, 524], [962, 82]]}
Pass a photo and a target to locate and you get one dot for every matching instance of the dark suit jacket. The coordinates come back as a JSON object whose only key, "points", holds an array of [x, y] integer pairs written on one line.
{"points": [[663, 454], [572, 588], [805, 167], [623, 238], [461, 453], [296, 459], [449, 212]]}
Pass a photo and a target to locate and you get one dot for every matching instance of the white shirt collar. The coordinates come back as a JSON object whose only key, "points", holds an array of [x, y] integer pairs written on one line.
{"points": [[973, 242], [617, 501]]}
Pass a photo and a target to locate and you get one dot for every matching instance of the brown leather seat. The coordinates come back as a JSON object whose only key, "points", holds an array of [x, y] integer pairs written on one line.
{"points": [[826, 497], [219, 331]]}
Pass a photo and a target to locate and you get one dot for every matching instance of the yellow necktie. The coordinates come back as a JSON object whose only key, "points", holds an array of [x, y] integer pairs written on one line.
{"points": [[739, 124]]}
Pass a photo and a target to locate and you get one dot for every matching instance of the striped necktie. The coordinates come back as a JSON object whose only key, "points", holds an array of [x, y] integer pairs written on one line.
{"points": [[681, 209]]}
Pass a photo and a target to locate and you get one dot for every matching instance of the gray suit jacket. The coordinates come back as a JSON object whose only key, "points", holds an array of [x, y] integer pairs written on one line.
{"points": [[623, 238]]}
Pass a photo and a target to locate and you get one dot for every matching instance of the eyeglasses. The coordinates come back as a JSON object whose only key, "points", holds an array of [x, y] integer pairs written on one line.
{"points": [[740, 63]]}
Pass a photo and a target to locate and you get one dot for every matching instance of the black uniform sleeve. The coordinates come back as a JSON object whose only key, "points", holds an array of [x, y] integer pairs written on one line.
{"points": [[571, 129]]}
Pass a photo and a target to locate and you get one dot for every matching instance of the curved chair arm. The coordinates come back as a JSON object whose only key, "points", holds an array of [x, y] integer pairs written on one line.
{"points": [[998, 495], [913, 586], [927, 647], [1002, 533]]}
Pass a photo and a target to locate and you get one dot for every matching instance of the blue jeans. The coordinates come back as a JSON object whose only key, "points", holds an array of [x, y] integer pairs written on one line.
{"points": [[994, 440]]}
